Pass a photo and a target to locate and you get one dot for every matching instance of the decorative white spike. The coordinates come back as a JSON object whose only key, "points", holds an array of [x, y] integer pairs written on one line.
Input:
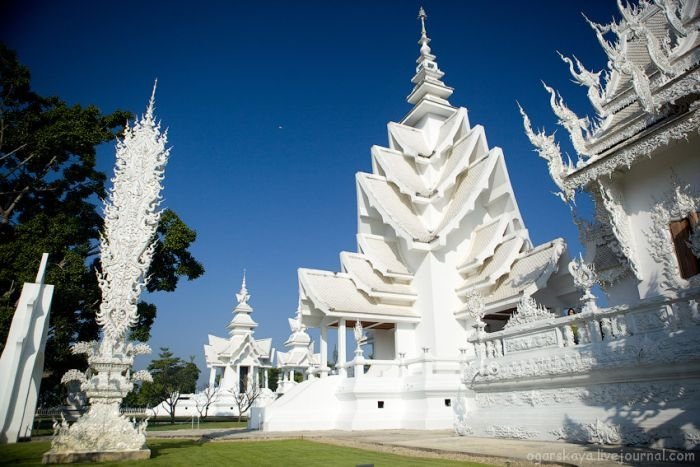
{"points": [[131, 217], [569, 120], [548, 149], [613, 51], [590, 80]]}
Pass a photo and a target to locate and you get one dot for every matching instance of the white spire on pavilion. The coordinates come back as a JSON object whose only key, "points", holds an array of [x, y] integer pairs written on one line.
{"points": [[427, 80], [242, 323]]}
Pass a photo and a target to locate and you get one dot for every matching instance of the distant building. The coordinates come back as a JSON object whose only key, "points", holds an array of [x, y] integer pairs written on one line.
{"points": [[238, 367]]}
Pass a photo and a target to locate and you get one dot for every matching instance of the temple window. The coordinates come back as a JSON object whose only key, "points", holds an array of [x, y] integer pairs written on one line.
{"points": [[688, 263]]}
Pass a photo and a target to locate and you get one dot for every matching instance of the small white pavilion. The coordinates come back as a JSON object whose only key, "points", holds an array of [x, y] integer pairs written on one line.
{"points": [[299, 358], [239, 362]]}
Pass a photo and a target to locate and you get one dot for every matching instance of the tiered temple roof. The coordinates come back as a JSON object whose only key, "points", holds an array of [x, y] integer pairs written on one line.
{"points": [[436, 189], [221, 351], [646, 100]]}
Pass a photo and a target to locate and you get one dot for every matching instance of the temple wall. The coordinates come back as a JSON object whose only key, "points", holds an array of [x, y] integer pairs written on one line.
{"points": [[631, 375], [649, 182]]}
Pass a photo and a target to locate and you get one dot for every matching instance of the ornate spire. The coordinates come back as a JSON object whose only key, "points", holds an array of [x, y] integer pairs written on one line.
{"points": [[242, 323], [243, 296], [427, 79]]}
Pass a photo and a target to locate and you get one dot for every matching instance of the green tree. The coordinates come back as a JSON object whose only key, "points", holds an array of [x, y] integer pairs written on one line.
{"points": [[172, 377], [49, 193]]}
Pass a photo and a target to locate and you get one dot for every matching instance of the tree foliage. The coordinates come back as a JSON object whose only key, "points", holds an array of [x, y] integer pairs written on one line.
{"points": [[172, 376], [49, 195]]}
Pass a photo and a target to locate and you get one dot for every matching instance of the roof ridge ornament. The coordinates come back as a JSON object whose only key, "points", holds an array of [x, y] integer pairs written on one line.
{"points": [[427, 80], [424, 39], [243, 296]]}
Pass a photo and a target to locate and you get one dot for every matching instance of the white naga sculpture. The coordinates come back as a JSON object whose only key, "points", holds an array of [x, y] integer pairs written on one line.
{"points": [[127, 244]]}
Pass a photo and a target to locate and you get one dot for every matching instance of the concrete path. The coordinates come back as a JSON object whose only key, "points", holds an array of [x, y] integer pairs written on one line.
{"points": [[445, 444]]}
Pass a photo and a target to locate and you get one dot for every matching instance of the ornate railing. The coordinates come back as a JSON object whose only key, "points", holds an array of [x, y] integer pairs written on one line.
{"points": [[587, 328]]}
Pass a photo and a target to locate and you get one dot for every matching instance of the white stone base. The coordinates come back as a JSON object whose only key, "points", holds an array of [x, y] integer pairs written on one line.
{"points": [[95, 456], [367, 403]]}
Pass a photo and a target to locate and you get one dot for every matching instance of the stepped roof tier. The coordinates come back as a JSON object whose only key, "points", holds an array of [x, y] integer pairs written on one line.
{"points": [[300, 354], [240, 344], [653, 78], [645, 102], [437, 221]]}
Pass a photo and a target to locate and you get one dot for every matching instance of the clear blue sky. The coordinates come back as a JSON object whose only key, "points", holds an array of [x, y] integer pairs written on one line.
{"points": [[331, 75]]}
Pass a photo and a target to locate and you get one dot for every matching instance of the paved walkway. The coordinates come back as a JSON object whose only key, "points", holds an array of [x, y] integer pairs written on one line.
{"points": [[445, 444]]}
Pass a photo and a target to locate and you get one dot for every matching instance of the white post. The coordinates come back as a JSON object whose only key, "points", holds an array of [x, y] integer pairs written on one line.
{"points": [[341, 348], [266, 378], [212, 377], [323, 371]]}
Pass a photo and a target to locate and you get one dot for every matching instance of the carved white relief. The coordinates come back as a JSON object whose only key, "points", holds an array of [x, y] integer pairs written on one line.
{"points": [[632, 396], [643, 348], [634, 151], [131, 215], [676, 204], [126, 247], [534, 341], [474, 305], [548, 149], [597, 432], [102, 428], [618, 219], [360, 337], [585, 278], [511, 432], [608, 257], [528, 311]]}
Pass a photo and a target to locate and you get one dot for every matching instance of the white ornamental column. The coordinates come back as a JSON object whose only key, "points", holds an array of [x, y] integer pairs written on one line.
{"points": [[127, 243], [323, 348], [212, 377], [341, 348]]}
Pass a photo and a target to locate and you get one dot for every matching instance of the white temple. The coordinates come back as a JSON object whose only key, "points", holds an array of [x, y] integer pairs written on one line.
{"points": [[238, 365], [441, 242], [240, 361]]}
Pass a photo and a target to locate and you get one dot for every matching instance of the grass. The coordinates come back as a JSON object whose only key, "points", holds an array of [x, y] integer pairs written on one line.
{"points": [[167, 426], [289, 453]]}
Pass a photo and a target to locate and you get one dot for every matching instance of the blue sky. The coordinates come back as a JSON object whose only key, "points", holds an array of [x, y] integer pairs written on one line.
{"points": [[272, 107]]}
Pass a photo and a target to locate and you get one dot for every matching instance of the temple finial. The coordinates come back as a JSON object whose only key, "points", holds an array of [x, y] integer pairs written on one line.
{"points": [[428, 75], [243, 296], [422, 16], [424, 39]]}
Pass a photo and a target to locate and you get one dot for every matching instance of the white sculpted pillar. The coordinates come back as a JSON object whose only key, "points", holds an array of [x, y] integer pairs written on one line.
{"points": [[212, 377], [323, 371], [127, 244], [342, 353]]}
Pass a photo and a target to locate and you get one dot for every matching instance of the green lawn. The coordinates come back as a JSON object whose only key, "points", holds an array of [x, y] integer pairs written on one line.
{"points": [[166, 426], [241, 453]]}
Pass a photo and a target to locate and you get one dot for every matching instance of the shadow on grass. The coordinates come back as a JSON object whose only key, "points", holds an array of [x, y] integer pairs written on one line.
{"points": [[223, 434], [161, 446]]}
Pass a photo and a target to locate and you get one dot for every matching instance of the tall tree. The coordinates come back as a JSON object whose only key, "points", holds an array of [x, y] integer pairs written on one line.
{"points": [[49, 189], [172, 377]]}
